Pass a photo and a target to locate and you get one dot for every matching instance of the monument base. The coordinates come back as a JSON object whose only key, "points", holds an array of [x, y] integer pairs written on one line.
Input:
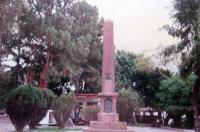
{"points": [[108, 130], [100, 126], [111, 124], [108, 117], [108, 125]]}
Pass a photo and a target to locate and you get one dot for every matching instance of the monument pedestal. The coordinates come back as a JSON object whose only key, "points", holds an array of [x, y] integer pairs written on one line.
{"points": [[104, 126], [107, 119], [98, 126]]}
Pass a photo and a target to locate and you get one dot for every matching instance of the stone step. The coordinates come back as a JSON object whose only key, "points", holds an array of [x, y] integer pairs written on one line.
{"points": [[108, 125]]}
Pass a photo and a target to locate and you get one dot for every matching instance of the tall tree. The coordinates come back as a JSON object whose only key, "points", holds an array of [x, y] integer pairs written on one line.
{"points": [[11, 45], [87, 45], [186, 27], [81, 58]]}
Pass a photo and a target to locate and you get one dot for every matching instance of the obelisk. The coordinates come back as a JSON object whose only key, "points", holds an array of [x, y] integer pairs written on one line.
{"points": [[108, 119]]}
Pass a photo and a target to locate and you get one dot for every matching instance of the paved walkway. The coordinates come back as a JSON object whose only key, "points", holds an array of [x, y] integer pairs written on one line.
{"points": [[6, 126], [149, 129]]}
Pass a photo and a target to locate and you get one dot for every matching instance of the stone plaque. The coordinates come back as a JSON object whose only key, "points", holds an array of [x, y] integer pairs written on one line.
{"points": [[108, 105]]}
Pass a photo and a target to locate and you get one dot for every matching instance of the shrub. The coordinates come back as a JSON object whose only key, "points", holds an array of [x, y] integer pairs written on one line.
{"points": [[49, 96], [22, 103], [128, 100], [6, 85], [62, 107], [89, 113], [40, 113]]}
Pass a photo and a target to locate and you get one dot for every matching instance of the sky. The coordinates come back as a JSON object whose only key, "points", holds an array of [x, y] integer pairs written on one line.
{"points": [[137, 23]]}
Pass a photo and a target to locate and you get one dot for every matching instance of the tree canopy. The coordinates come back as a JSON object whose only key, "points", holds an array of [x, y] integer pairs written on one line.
{"points": [[137, 72], [58, 36], [177, 101], [125, 68]]}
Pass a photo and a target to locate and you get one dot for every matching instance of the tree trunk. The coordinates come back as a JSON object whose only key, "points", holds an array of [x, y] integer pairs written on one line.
{"points": [[76, 81], [195, 92], [151, 115], [177, 121], [196, 115], [43, 83], [166, 120], [134, 119], [17, 67], [189, 123], [160, 118]]}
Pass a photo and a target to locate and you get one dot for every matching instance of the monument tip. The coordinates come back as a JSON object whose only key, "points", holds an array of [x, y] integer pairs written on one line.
{"points": [[106, 19]]}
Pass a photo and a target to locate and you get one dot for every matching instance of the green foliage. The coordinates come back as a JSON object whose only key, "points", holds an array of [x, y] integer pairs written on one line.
{"points": [[80, 54], [137, 72], [144, 64], [60, 110], [49, 96], [40, 112], [17, 41], [185, 15], [71, 101], [85, 58], [89, 113], [125, 68], [147, 85], [22, 103], [62, 107], [9, 10], [130, 101], [191, 62], [64, 33], [186, 18], [175, 97], [53, 75], [6, 86]]}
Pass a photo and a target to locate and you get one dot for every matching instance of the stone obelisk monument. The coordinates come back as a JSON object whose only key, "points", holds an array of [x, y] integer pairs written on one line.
{"points": [[108, 119]]}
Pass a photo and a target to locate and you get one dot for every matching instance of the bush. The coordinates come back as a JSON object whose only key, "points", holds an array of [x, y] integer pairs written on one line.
{"points": [[49, 97], [22, 103], [128, 100], [6, 85], [89, 113], [40, 113], [62, 107]]}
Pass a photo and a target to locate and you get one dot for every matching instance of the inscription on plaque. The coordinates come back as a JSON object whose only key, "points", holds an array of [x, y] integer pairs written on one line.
{"points": [[108, 105]]}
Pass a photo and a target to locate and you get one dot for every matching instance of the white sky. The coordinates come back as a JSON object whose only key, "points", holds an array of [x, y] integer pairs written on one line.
{"points": [[137, 22]]}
